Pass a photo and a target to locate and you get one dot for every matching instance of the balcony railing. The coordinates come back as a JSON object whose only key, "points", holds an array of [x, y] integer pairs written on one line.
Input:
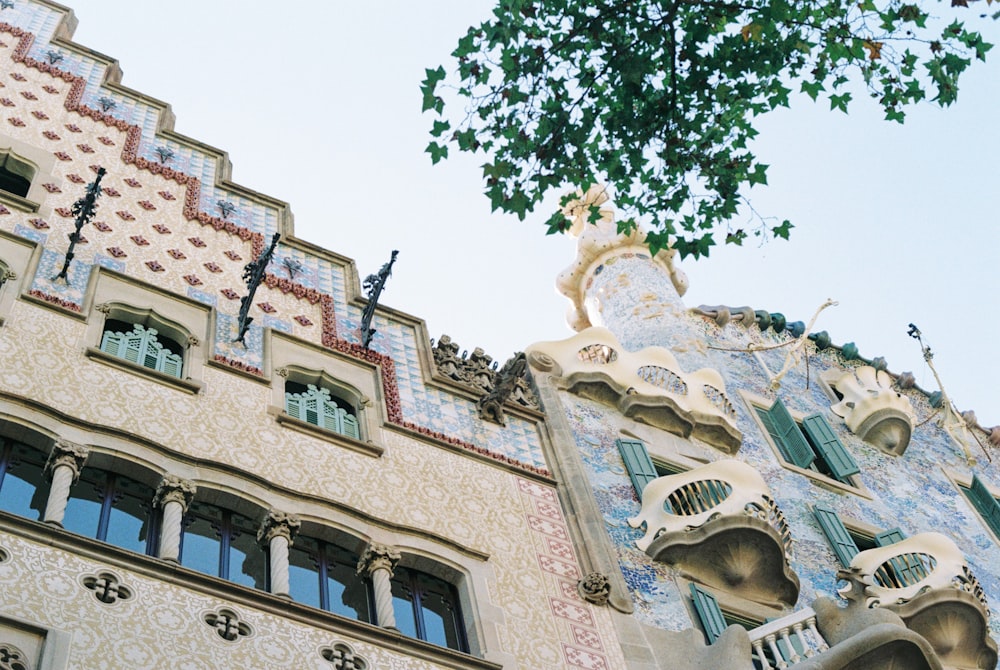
{"points": [[786, 641], [723, 510], [926, 581]]}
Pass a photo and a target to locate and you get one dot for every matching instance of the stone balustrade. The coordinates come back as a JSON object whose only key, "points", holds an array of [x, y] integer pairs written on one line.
{"points": [[786, 641]]}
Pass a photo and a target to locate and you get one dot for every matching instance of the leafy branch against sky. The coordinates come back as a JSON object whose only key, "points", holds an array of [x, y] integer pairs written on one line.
{"points": [[658, 98]]}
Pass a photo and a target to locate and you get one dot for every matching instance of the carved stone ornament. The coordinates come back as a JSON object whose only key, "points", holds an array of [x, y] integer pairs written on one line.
{"points": [[282, 372], [343, 657], [8, 275], [103, 308], [510, 383], [193, 341], [67, 453], [227, 624], [278, 523], [107, 587], [872, 409], [478, 372], [594, 588], [174, 489], [377, 557]]}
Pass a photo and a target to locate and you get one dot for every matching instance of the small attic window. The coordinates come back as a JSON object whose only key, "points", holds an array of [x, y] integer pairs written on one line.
{"points": [[143, 346], [321, 407], [15, 174]]}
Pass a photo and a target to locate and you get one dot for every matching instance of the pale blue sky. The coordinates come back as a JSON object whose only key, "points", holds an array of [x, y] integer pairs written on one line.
{"points": [[318, 104]]}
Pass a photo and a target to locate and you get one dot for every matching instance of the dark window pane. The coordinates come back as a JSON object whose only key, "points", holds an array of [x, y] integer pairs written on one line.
{"points": [[201, 547], [402, 606], [303, 572], [438, 607], [83, 510], [348, 592], [246, 558], [23, 488], [130, 517]]}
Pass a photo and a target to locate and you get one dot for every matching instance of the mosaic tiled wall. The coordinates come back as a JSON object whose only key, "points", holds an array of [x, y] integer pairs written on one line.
{"points": [[165, 219], [912, 491]]}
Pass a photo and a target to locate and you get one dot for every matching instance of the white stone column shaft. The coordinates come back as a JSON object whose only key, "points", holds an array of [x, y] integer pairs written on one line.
{"points": [[63, 467], [173, 496], [378, 562], [278, 530]]}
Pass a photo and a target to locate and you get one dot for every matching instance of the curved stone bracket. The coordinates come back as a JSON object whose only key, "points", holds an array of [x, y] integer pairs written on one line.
{"points": [[872, 409]]}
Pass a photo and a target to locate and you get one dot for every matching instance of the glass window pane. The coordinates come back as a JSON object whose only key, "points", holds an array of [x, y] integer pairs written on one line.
{"points": [[303, 572], [23, 489], [438, 607], [247, 560], [201, 545], [130, 519], [348, 593], [402, 605], [83, 510]]}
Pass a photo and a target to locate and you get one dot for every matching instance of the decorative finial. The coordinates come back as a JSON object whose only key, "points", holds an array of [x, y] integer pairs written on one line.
{"points": [[85, 209], [373, 285], [253, 274]]}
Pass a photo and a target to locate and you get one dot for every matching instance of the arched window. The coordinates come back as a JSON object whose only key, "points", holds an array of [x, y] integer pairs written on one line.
{"points": [[15, 174], [221, 542], [143, 346], [114, 509], [23, 487], [324, 575], [427, 608], [321, 407]]}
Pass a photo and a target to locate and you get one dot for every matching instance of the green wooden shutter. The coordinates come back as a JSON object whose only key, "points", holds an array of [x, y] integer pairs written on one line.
{"points": [[111, 343], [986, 504], [841, 463], [351, 428], [840, 540], [707, 607], [790, 439], [885, 538], [169, 363], [293, 405], [638, 463]]}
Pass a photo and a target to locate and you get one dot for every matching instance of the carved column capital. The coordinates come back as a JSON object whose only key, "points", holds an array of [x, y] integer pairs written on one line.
{"points": [[67, 453], [378, 557], [175, 489], [278, 524]]}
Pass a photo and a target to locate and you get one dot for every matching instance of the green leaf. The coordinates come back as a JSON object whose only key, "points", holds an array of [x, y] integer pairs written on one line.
{"points": [[437, 151]]}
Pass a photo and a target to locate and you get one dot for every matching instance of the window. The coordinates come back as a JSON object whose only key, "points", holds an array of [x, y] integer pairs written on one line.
{"points": [[427, 608], [114, 509], [23, 487], [847, 543], [810, 444], [223, 543], [640, 467], [324, 575], [318, 406], [984, 502], [15, 175], [140, 345]]}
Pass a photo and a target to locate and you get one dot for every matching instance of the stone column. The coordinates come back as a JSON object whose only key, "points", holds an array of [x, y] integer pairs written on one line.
{"points": [[378, 562], [277, 531], [173, 495], [63, 468]]}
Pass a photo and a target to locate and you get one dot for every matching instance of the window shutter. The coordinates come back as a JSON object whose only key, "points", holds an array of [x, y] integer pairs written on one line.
{"points": [[888, 537], [840, 540], [830, 447], [789, 437], [135, 344], [351, 426], [293, 405], [638, 463], [987, 505], [707, 607], [169, 363], [112, 343]]}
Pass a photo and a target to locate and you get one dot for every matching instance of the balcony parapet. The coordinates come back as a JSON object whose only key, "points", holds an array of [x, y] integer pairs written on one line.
{"points": [[648, 385], [720, 525], [786, 641], [926, 581], [872, 409]]}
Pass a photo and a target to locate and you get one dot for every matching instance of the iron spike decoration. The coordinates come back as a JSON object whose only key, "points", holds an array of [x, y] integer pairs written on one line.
{"points": [[253, 275], [374, 284], [85, 209]]}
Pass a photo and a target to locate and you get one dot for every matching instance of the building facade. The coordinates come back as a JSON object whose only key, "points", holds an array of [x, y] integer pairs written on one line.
{"points": [[182, 486]]}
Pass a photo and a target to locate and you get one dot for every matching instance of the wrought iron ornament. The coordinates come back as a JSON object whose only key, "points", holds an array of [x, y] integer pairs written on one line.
{"points": [[85, 209], [253, 275], [373, 285]]}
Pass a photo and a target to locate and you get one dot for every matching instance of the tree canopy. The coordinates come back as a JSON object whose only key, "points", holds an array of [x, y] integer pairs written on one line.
{"points": [[657, 98]]}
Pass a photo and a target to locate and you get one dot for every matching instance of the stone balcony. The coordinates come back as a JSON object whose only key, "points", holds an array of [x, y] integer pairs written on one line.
{"points": [[720, 525], [925, 580]]}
